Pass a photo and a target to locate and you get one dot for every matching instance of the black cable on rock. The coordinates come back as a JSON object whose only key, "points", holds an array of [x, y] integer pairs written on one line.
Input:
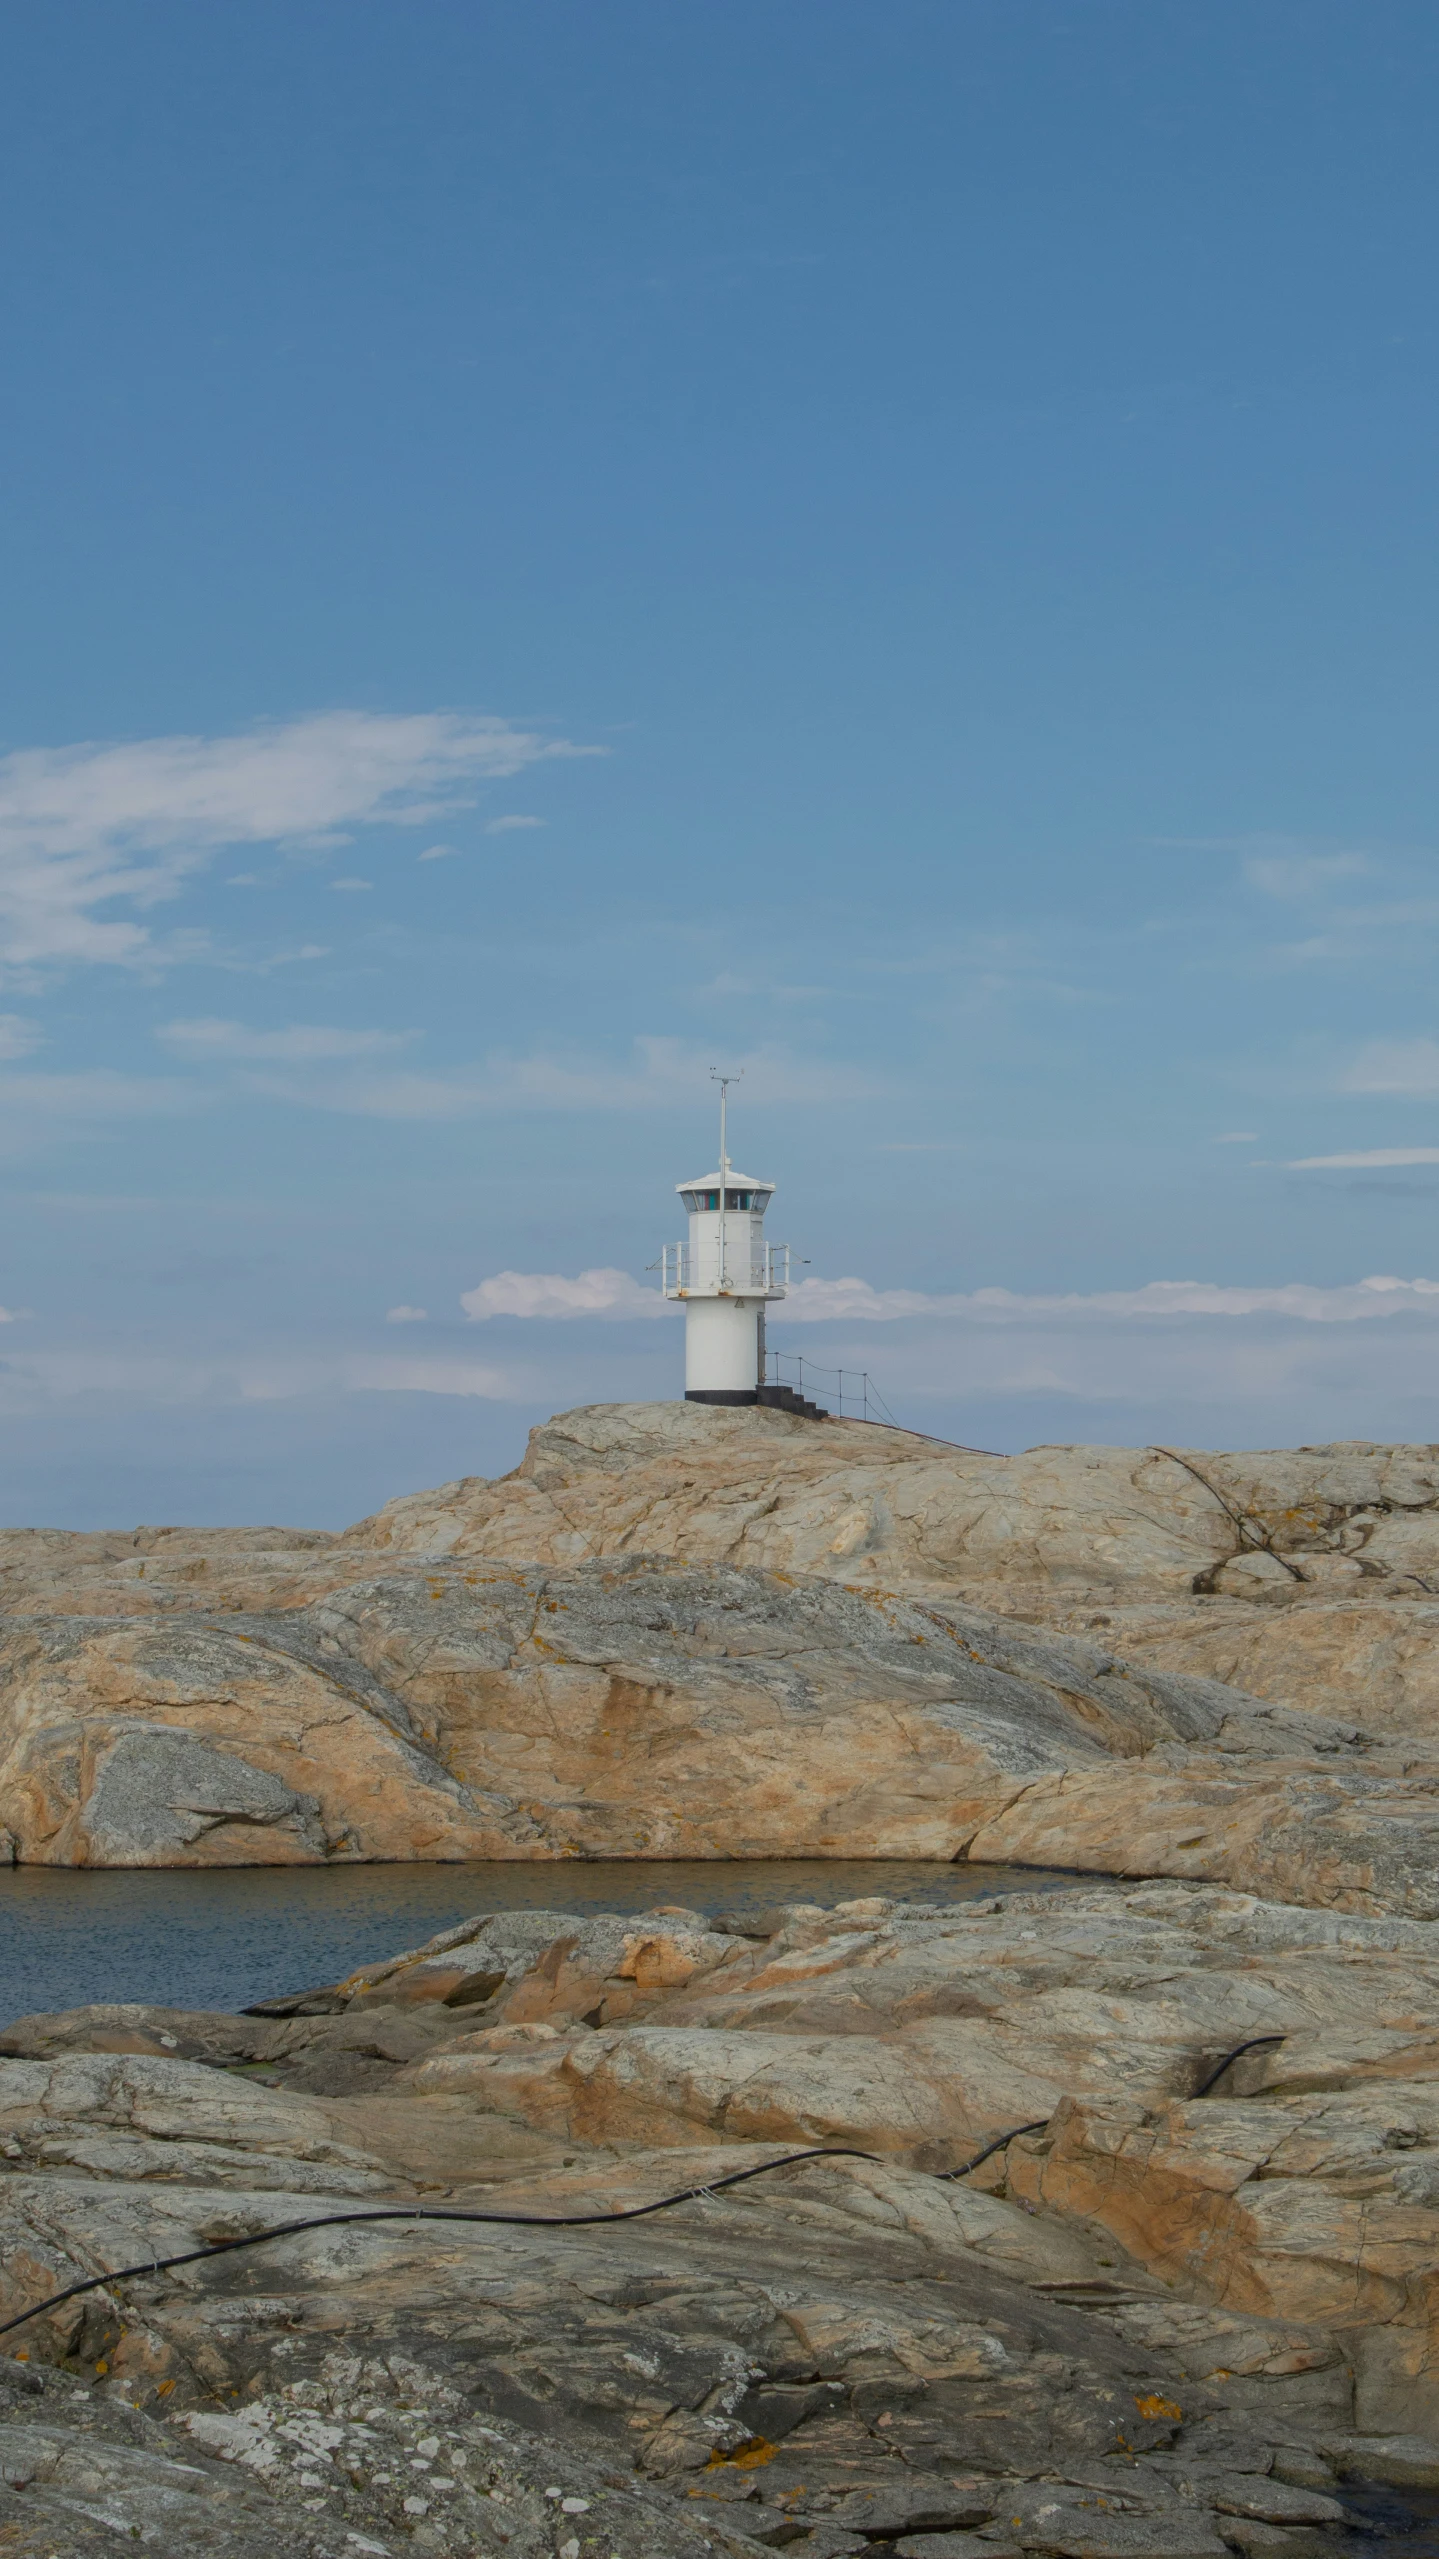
{"points": [[422, 2212], [544, 2220], [1000, 2142], [1253, 2046]]}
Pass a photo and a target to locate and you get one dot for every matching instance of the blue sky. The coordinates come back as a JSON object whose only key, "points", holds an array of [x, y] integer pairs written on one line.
{"points": [[546, 548]]}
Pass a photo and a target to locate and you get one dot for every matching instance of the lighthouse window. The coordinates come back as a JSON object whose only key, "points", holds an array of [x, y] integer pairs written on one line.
{"points": [[737, 1199]]}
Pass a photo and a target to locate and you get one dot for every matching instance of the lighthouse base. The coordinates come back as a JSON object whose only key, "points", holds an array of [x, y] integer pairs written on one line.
{"points": [[722, 1349]]}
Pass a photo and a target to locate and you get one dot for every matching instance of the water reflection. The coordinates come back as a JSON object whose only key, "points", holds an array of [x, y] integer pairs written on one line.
{"points": [[221, 1939]]}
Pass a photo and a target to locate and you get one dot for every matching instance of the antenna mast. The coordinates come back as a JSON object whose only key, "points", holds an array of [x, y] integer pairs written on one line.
{"points": [[724, 1082]]}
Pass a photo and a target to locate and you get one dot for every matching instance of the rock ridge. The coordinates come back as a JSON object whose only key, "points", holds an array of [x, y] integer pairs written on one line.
{"points": [[682, 1631]]}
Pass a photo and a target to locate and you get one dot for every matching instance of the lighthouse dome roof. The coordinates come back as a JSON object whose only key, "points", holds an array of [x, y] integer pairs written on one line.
{"points": [[732, 1181]]}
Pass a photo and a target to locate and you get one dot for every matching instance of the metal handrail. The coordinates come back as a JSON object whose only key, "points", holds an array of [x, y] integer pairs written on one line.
{"points": [[682, 1269], [860, 1397]]}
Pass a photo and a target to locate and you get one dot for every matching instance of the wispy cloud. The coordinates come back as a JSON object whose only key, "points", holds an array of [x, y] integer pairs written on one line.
{"points": [[408, 1315], [352, 884], [147, 1378], [35, 1109], [1378, 1156], [510, 825], [545, 1293], [1355, 905], [87, 829], [614, 1293], [286, 959], [656, 1073], [1238, 1137], [1394, 1066], [820, 1301], [439, 853], [1298, 876], [299, 1045], [395, 1376]]}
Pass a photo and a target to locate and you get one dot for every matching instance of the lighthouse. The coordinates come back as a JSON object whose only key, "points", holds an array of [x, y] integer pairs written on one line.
{"points": [[724, 1276]]}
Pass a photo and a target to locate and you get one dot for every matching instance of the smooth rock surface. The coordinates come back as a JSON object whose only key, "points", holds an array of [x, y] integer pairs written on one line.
{"points": [[865, 1503], [685, 1632], [1125, 2336]]}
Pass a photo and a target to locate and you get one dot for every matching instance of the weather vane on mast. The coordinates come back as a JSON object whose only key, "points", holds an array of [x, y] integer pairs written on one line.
{"points": [[724, 1082]]}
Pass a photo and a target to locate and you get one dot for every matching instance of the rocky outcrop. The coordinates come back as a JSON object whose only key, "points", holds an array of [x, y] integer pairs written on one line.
{"points": [[851, 1499], [857, 1502], [687, 1632], [1126, 2332], [632, 1709]]}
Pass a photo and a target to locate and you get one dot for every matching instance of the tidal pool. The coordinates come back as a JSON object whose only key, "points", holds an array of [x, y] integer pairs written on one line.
{"points": [[220, 1939]]}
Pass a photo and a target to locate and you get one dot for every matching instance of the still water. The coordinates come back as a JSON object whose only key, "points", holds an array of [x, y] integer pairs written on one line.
{"points": [[221, 1939]]}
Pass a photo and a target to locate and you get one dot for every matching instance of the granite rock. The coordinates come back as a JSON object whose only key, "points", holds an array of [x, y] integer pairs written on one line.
{"points": [[1128, 2333], [641, 1709], [677, 1631]]}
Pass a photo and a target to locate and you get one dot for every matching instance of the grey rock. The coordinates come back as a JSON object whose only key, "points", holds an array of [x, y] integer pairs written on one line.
{"points": [[1276, 2541], [1069, 2531], [1301, 2466], [82, 2471], [159, 1788], [837, 2354], [918, 2505], [1396, 2461], [949, 2545], [138, 2026], [1271, 2500]]}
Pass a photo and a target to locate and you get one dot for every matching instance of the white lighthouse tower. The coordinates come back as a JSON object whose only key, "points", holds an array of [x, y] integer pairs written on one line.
{"points": [[725, 1276]]}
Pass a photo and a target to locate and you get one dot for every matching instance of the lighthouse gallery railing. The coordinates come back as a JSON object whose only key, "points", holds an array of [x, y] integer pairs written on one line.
{"points": [[686, 1272]]}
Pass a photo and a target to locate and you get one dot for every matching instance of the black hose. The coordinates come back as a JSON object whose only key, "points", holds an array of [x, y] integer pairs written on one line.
{"points": [[999, 2142], [1253, 2045], [421, 2212], [545, 2220]]}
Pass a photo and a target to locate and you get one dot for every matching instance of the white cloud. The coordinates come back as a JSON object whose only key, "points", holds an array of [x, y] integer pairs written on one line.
{"points": [[302, 1042], [658, 1073], [84, 829], [37, 1109], [18, 1037], [408, 1315], [438, 853], [148, 1379], [1295, 875], [545, 1293], [352, 884], [385, 1374], [820, 1301], [1372, 1156], [1215, 1366], [1394, 1066], [507, 825]]}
